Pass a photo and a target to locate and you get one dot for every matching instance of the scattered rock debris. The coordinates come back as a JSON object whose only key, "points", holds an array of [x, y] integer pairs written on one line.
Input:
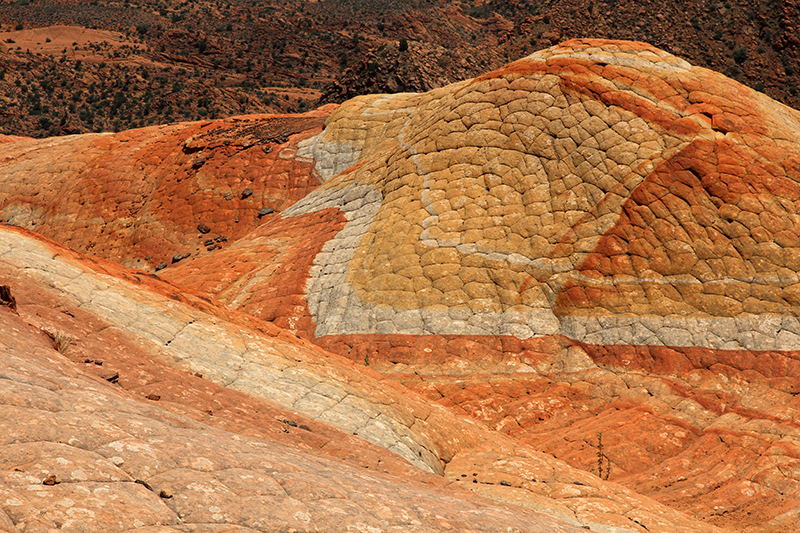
{"points": [[265, 211], [51, 480], [161, 266], [154, 397], [145, 484], [247, 193], [202, 228], [7, 299], [178, 257], [111, 378]]}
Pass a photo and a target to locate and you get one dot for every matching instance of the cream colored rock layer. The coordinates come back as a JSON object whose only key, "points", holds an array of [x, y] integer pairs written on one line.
{"points": [[118, 464], [303, 378], [473, 207]]}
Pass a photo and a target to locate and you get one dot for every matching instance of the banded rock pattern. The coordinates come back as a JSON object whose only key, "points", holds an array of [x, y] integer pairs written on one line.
{"points": [[117, 461], [591, 212], [585, 181], [597, 239], [98, 439]]}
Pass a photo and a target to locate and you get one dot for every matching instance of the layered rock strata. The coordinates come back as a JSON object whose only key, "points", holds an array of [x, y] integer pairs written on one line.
{"points": [[594, 244], [245, 480], [151, 196]]}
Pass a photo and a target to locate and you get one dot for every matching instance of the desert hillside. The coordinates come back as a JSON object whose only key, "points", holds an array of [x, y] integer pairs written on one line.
{"points": [[558, 296], [108, 65]]}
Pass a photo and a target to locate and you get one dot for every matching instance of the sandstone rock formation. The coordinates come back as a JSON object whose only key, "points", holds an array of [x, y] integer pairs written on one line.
{"points": [[596, 243], [143, 197], [77, 454]]}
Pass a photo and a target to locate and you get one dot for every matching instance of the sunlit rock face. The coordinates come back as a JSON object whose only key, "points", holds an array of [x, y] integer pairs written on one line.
{"points": [[609, 192], [593, 251]]}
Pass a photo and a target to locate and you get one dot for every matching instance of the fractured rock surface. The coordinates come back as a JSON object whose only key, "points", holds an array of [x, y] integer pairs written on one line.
{"points": [[80, 454], [638, 211], [582, 182], [145, 197], [596, 243], [202, 472]]}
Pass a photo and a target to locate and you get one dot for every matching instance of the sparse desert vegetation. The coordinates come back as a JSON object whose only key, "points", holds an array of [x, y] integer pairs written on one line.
{"points": [[200, 58]]}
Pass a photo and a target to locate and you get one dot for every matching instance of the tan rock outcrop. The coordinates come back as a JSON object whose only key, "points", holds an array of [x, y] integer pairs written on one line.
{"points": [[592, 251], [78, 453], [150, 196], [206, 469]]}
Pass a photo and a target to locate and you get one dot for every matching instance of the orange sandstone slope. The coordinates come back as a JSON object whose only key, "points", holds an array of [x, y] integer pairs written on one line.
{"points": [[597, 241], [128, 405], [146, 197]]}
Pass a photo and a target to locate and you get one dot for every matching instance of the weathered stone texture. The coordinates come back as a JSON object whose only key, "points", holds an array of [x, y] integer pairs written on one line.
{"points": [[596, 241], [139, 197], [202, 467]]}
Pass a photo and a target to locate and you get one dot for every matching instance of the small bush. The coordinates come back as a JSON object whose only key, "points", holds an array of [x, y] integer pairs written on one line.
{"points": [[61, 341], [601, 457], [372, 69], [740, 55], [403, 46]]}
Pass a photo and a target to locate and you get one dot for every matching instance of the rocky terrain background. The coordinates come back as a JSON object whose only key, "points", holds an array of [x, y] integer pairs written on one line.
{"points": [[171, 61]]}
